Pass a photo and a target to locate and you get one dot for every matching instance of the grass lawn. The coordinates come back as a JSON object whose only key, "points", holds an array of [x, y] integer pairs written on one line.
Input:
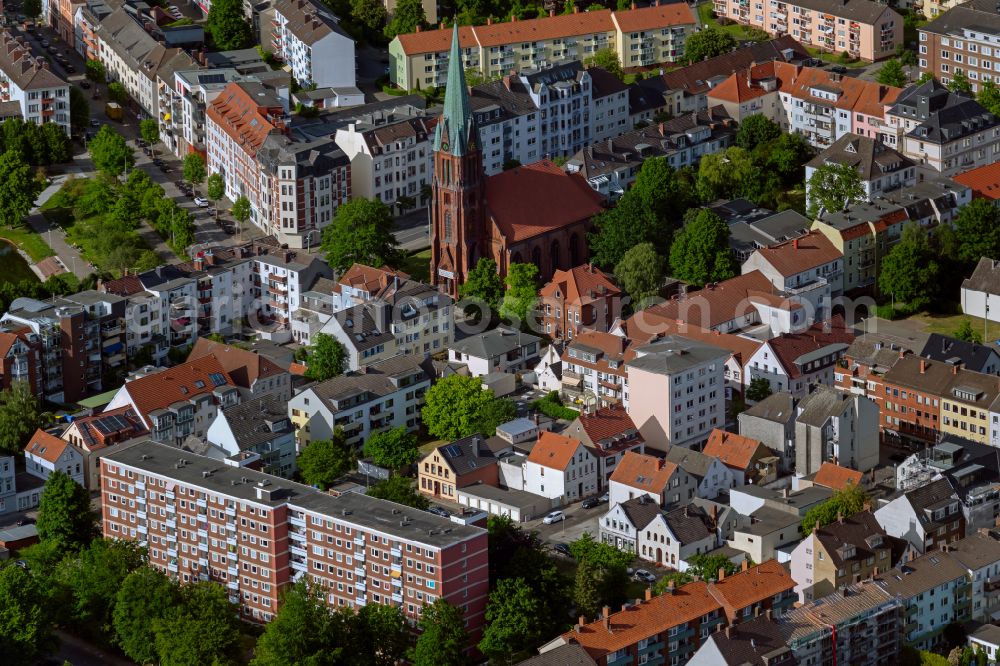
{"points": [[417, 265], [947, 324], [833, 58], [705, 15], [28, 241]]}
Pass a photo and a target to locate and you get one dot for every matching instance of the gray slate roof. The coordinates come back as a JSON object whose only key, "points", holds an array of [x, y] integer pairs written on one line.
{"points": [[467, 454], [640, 510], [979, 14], [688, 523], [820, 406], [943, 116], [694, 463], [494, 343], [258, 421], [757, 642], [985, 278], [869, 156], [673, 353], [778, 407], [943, 348]]}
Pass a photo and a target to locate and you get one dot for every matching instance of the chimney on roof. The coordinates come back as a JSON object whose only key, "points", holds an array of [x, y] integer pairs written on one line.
{"points": [[795, 243], [662, 131], [729, 631], [722, 573], [576, 9], [902, 353], [840, 518], [419, 27], [552, 13], [784, 493], [513, 18], [659, 463], [649, 594], [605, 618], [489, 20], [582, 620], [670, 586], [923, 365], [633, 6], [745, 565]]}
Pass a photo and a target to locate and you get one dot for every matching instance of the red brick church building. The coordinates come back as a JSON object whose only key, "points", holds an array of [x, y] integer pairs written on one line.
{"points": [[530, 214]]}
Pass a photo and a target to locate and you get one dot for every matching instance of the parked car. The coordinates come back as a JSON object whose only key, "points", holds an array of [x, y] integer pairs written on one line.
{"points": [[838, 69], [643, 576], [85, 85], [45, 43], [94, 122], [605, 498], [26, 521], [591, 502], [201, 202], [71, 69], [554, 517], [158, 162], [562, 549], [436, 510]]}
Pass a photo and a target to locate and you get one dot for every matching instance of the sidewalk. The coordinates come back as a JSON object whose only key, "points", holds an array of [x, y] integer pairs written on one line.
{"points": [[54, 236]]}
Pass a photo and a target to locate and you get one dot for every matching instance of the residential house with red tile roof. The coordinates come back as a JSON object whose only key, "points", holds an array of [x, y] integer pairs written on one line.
{"points": [[638, 474], [641, 37], [560, 468], [609, 434], [97, 435], [754, 591], [984, 182], [181, 401], [46, 453], [796, 362], [835, 477], [748, 458], [861, 29], [582, 297], [722, 306], [255, 374]]}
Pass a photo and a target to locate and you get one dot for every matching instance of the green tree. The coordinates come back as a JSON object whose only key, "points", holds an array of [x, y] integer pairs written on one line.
{"points": [[977, 230], [519, 300], [79, 110], [587, 588], [302, 631], [678, 578], [494, 414], [731, 174], [647, 213], [408, 16], [117, 92], [700, 253], [786, 156], [960, 83], [452, 406], [32, 8], [708, 566], [58, 146], [361, 232], [109, 152], [892, 74], [26, 626], [607, 59], [18, 189], [989, 97], [512, 621], [382, 634], [327, 358], [484, 283], [759, 389], [203, 629], [396, 448], [442, 640], [227, 25], [141, 600], [149, 130], [835, 187], [324, 461], [608, 568], [194, 169], [241, 211], [756, 130], [640, 274], [216, 190], [64, 513], [909, 272], [95, 71], [400, 490], [708, 43], [845, 502], [20, 416], [94, 579], [967, 333], [370, 13], [906, 56]]}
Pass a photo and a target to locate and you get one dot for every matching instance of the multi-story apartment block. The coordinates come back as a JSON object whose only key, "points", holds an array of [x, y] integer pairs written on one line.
{"points": [[501, 349], [963, 39], [676, 391], [178, 402], [309, 39], [256, 533], [40, 95], [225, 287], [581, 298], [86, 19], [772, 422], [593, 365], [255, 375], [132, 57], [390, 155], [810, 268], [388, 394], [108, 311], [929, 516], [881, 168], [642, 38], [831, 426], [357, 286], [944, 132], [20, 361], [282, 278], [856, 27], [979, 553], [68, 337]]}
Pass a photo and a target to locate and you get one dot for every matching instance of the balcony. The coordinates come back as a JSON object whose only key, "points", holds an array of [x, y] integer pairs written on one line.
{"points": [[360, 573], [297, 522], [359, 542], [298, 551]]}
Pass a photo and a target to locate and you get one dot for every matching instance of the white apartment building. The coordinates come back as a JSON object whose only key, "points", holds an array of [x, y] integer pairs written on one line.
{"points": [[41, 96], [46, 453], [387, 395], [390, 154], [145, 325], [309, 39], [561, 469], [283, 278]]}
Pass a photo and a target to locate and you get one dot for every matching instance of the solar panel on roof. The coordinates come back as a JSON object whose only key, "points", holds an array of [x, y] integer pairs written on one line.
{"points": [[452, 451], [217, 378]]}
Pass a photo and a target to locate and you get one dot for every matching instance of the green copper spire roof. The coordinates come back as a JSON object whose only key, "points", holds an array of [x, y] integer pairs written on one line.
{"points": [[457, 132]]}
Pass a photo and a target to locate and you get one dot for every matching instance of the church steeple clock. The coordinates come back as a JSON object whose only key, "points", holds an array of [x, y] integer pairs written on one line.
{"points": [[458, 232]]}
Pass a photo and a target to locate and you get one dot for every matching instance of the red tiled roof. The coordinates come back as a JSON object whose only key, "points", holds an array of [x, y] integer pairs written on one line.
{"points": [[553, 451], [606, 423], [244, 366], [177, 384], [7, 340], [434, 41], [368, 278], [128, 285], [239, 115], [743, 85], [857, 95], [655, 16], [984, 181], [800, 254], [581, 284], [550, 27], [647, 323], [735, 451], [45, 446], [752, 586], [297, 369], [836, 477], [643, 472], [528, 201], [715, 305], [789, 346]]}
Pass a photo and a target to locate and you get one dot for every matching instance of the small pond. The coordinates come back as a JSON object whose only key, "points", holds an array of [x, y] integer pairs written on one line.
{"points": [[13, 268]]}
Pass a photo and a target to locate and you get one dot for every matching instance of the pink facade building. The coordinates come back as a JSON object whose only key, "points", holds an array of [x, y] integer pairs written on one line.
{"points": [[203, 519]]}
